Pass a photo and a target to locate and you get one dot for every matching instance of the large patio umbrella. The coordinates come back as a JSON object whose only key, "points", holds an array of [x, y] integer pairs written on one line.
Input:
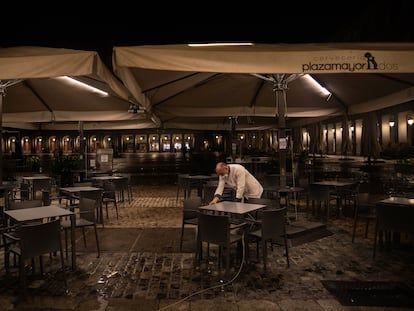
{"points": [[195, 87], [315, 133], [296, 141], [346, 146], [370, 146], [52, 88], [47, 87]]}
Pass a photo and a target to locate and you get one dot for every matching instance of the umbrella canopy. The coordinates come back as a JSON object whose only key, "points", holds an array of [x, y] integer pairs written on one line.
{"points": [[296, 141], [346, 144], [370, 146], [50, 88], [315, 133], [197, 86]]}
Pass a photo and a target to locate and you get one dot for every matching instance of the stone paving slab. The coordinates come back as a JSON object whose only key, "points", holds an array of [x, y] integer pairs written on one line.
{"points": [[131, 280]]}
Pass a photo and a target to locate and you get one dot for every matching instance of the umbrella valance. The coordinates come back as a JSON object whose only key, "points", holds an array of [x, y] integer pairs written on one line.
{"points": [[370, 146], [60, 85], [180, 83]]}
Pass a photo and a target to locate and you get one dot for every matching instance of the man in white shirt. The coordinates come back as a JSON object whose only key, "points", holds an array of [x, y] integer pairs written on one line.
{"points": [[240, 179]]}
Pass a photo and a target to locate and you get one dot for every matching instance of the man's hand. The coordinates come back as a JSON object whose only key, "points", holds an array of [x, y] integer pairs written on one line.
{"points": [[214, 201]]}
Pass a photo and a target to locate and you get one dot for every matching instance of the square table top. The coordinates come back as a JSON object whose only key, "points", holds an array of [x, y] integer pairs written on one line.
{"points": [[398, 201], [75, 189], [6, 185], [107, 177], [285, 189], [35, 213], [199, 177], [36, 177], [335, 183], [233, 207]]}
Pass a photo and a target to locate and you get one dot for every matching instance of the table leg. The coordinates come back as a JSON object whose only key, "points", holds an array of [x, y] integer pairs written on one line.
{"points": [[73, 240], [99, 214]]}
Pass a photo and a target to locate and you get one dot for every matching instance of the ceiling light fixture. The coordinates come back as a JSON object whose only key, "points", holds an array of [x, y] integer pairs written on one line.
{"points": [[220, 44], [317, 86], [84, 85], [134, 108]]}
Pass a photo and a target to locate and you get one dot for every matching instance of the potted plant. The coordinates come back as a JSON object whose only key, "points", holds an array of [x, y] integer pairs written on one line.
{"points": [[63, 167], [32, 162]]}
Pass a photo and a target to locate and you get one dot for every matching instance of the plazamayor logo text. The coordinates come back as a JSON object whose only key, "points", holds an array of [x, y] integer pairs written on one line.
{"points": [[367, 62]]}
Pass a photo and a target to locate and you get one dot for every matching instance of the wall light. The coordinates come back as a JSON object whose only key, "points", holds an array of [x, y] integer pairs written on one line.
{"points": [[392, 123], [410, 121]]}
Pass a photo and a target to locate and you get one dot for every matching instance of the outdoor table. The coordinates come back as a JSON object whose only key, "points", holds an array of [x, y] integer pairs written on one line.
{"points": [[44, 212], [230, 207], [293, 191], [274, 192], [234, 208], [335, 183], [199, 181], [5, 188], [395, 215], [107, 178], [338, 186], [76, 189], [399, 201], [99, 180], [30, 180], [69, 192]]}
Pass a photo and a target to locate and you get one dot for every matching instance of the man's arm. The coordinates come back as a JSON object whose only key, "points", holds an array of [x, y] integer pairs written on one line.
{"points": [[219, 191], [240, 184]]}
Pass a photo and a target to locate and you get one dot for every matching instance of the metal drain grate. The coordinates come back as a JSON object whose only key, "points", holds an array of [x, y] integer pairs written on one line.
{"points": [[371, 293]]}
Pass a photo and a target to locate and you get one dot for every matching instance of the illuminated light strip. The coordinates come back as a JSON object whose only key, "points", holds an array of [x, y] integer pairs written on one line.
{"points": [[84, 85], [316, 84], [220, 44]]}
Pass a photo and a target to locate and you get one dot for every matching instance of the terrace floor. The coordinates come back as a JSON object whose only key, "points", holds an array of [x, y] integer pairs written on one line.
{"points": [[141, 267]]}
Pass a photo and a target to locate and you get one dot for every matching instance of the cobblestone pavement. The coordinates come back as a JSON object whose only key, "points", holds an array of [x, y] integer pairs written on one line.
{"points": [[130, 280]]}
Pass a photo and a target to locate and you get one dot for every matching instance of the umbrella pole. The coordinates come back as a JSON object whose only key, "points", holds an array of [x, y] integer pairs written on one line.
{"points": [[2, 93], [293, 178], [3, 87], [280, 88], [83, 148]]}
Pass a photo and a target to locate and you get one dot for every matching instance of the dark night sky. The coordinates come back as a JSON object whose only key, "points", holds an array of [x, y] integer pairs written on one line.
{"points": [[313, 22]]}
